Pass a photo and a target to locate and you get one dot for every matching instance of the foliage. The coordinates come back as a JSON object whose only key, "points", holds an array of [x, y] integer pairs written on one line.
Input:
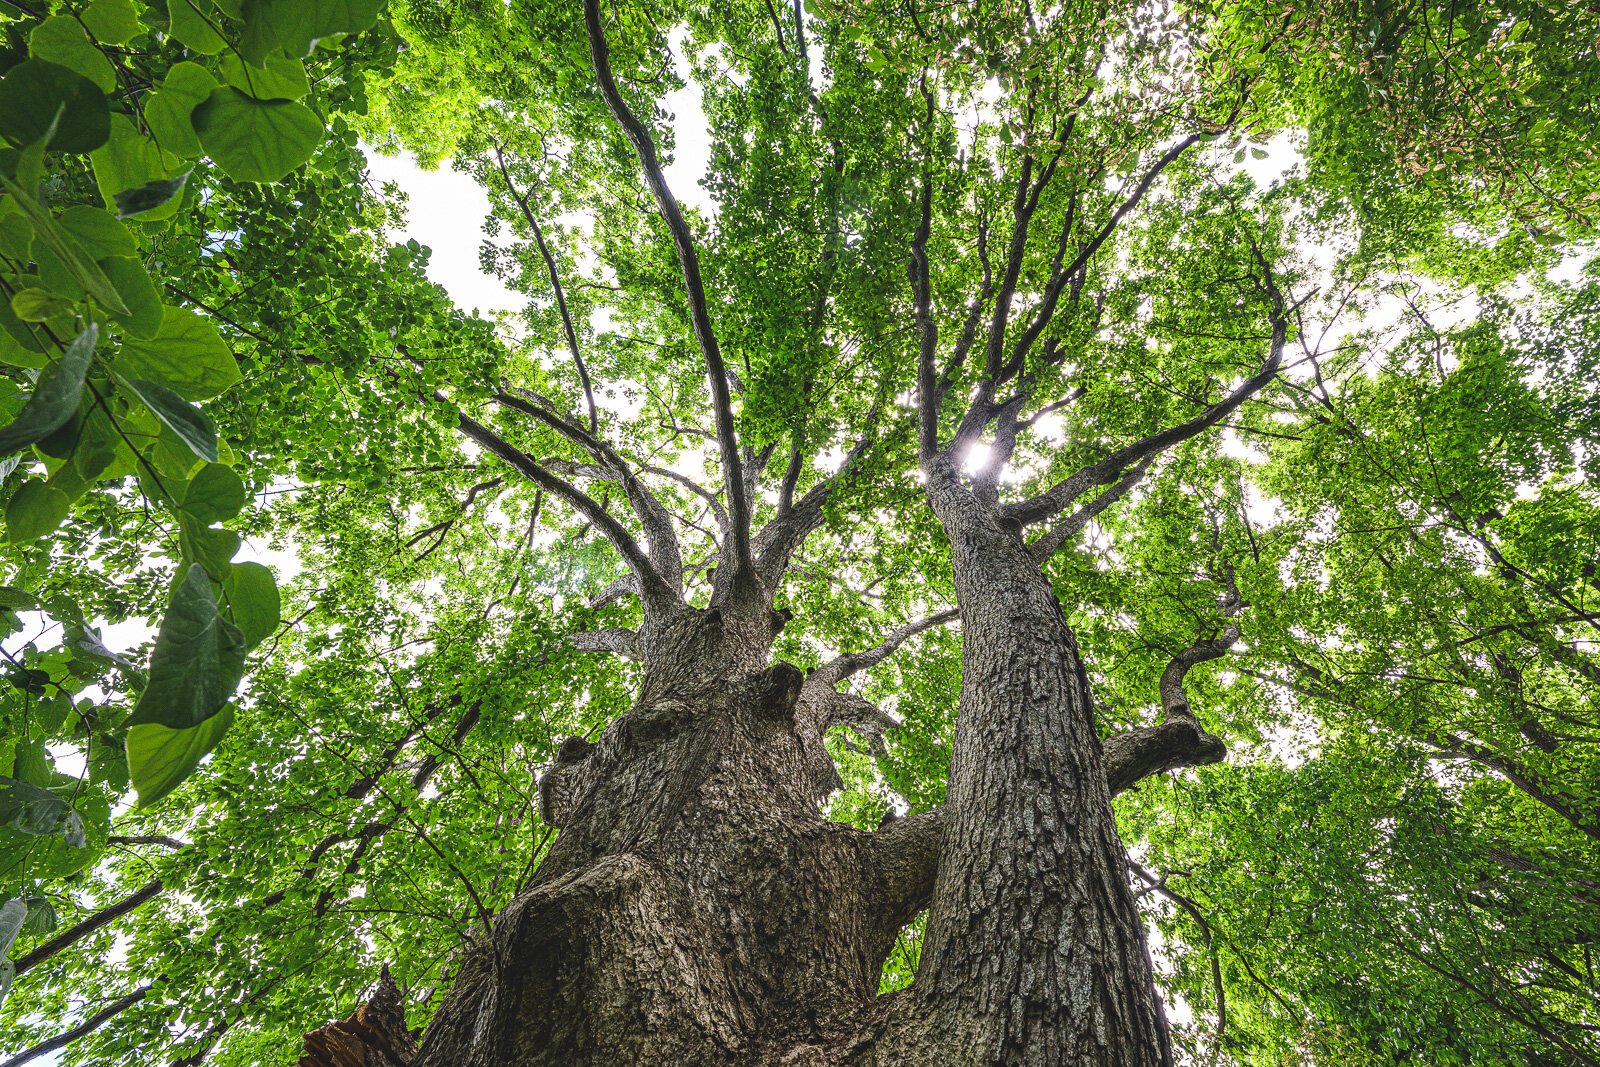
{"points": [[214, 358]]}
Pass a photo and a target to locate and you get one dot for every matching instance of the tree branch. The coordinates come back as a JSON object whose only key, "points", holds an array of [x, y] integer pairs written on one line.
{"points": [[1178, 739], [837, 670], [689, 262], [665, 554], [619, 641], [100, 919], [1109, 469], [1068, 528], [778, 541], [655, 591], [83, 1029], [555, 284]]}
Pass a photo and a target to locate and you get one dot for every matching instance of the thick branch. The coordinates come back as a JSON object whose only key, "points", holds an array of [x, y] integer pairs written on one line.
{"points": [[781, 538], [837, 670], [689, 262], [1109, 469], [618, 641], [100, 919], [1453, 746], [928, 393], [1069, 527], [655, 590], [88, 1026], [665, 555]]}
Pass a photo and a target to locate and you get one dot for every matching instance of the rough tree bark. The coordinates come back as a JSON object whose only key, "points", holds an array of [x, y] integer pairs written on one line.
{"points": [[696, 907]]}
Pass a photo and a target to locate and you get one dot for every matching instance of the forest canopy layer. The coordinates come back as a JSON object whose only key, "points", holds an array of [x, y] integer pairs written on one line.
{"points": [[1101, 492]]}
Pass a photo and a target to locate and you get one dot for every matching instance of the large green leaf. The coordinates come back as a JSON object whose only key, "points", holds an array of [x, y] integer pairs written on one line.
{"points": [[132, 159], [197, 661], [256, 140], [193, 426], [112, 21], [253, 602], [56, 397], [196, 24], [279, 78], [215, 494], [97, 232], [299, 23], [145, 312], [34, 92], [61, 40], [160, 757], [168, 110], [187, 355]]}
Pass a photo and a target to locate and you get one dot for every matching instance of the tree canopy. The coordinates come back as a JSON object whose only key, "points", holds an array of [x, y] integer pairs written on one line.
{"points": [[1345, 248]]}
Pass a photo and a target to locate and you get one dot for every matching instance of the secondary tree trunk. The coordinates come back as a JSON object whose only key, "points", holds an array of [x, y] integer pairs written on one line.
{"points": [[1034, 951], [697, 909]]}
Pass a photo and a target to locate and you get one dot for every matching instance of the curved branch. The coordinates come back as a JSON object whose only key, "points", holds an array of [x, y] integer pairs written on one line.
{"points": [[83, 1029], [555, 283], [837, 670], [1109, 469], [689, 262], [1178, 739], [655, 591], [619, 641]]}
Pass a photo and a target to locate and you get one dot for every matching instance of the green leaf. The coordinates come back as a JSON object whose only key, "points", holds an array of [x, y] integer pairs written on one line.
{"points": [[210, 546], [35, 91], [59, 39], [132, 160], [12, 915], [112, 21], [215, 494], [160, 757], [41, 917], [92, 455], [97, 232], [38, 305], [197, 661], [169, 109], [145, 310], [192, 425], [194, 23], [256, 140], [56, 397], [281, 78], [39, 812], [34, 510], [65, 248], [296, 24], [143, 199], [253, 603], [187, 355]]}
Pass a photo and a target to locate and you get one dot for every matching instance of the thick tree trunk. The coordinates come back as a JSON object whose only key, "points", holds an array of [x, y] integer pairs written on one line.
{"points": [[1034, 951], [696, 908]]}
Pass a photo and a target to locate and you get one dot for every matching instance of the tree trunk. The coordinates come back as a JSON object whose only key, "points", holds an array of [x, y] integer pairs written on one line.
{"points": [[1034, 951], [697, 909]]}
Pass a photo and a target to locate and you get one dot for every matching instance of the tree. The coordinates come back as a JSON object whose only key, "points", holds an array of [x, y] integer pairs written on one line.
{"points": [[796, 637]]}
